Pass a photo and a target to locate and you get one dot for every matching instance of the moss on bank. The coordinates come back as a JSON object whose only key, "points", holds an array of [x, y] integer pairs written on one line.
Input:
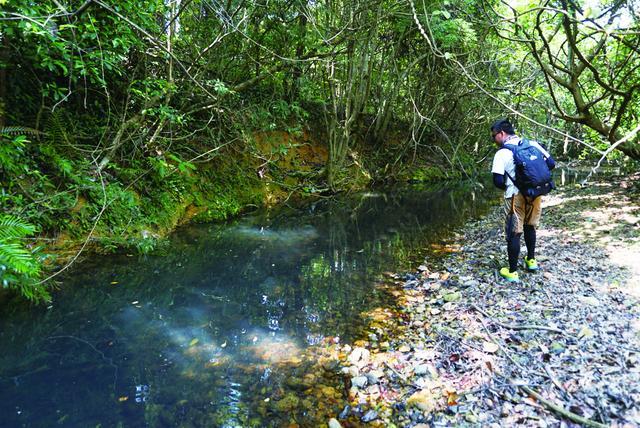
{"points": [[131, 205]]}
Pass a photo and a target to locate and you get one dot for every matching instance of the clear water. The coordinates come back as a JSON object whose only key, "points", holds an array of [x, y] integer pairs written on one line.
{"points": [[204, 334]]}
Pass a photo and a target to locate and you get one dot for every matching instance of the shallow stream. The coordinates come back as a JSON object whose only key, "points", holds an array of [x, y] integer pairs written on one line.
{"points": [[210, 333]]}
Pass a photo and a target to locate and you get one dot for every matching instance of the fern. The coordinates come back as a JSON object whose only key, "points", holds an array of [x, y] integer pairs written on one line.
{"points": [[20, 130], [19, 266], [17, 258], [57, 126], [12, 227]]}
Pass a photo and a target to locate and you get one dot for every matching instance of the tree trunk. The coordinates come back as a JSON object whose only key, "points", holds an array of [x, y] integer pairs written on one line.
{"points": [[296, 74], [630, 148], [4, 57]]}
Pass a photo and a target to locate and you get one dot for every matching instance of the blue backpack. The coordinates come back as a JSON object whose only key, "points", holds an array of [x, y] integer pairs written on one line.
{"points": [[533, 176]]}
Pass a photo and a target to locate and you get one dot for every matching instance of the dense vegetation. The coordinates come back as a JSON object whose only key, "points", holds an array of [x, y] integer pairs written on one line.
{"points": [[119, 119]]}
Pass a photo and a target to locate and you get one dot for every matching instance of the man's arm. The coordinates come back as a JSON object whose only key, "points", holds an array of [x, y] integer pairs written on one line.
{"points": [[500, 181], [498, 168]]}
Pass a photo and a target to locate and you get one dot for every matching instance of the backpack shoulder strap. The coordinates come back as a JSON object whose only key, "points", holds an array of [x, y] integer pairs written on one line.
{"points": [[512, 148], [509, 147], [511, 178]]}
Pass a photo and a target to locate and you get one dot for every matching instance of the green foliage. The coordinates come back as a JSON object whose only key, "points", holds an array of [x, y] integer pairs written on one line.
{"points": [[429, 173], [11, 154], [19, 266], [452, 34]]}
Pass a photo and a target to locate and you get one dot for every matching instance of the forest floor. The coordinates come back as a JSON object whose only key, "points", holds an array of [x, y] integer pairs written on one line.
{"points": [[560, 348]]}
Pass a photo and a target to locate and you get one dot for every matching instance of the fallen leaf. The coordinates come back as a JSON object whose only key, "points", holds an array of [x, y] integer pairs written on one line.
{"points": [[557, 348], [452, 399], [423, 400], [449, 306], [452, 297], [193, 342], [490, 347], [123, 398], [589, 300], [585, 333]]}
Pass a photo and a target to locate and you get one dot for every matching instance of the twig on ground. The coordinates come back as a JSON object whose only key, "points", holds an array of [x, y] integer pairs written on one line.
{"points": [[556, 382], [561, 410], [504, 351], [519, 327]]}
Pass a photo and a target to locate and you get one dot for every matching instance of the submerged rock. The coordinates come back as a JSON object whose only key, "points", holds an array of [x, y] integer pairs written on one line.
{"points": [[288, 403], [297, 383]]}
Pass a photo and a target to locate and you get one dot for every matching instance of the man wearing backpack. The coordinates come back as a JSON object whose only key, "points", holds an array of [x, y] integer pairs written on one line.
{"points": [[522, 169]]}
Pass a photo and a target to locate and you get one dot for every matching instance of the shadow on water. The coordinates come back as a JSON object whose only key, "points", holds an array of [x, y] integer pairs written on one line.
{"points": [[195, 336]]}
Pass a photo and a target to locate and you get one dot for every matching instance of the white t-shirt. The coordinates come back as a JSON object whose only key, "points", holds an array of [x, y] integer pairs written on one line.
{"points": [[503, 161]]}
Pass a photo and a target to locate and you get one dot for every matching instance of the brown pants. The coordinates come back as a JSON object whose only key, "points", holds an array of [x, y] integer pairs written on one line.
{"points": [[528, 210]]}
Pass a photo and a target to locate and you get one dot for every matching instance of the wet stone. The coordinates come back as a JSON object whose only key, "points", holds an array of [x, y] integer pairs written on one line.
{"points": [[359, 381], [421, 370], [411, 284], [344, 414], [471, 283], [371, 415], [333, 423], [359, 357], [373, 377]]}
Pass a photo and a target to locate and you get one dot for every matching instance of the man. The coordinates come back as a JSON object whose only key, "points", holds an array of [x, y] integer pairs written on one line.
{"points": [[527, 210]]}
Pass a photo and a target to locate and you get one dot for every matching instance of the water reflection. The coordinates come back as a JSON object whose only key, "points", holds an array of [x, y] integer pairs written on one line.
{"points": [[202, 334]]}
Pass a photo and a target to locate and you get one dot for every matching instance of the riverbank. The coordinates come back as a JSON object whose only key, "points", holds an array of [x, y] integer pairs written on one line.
{"points": [[561, 347], [134, 211]]}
